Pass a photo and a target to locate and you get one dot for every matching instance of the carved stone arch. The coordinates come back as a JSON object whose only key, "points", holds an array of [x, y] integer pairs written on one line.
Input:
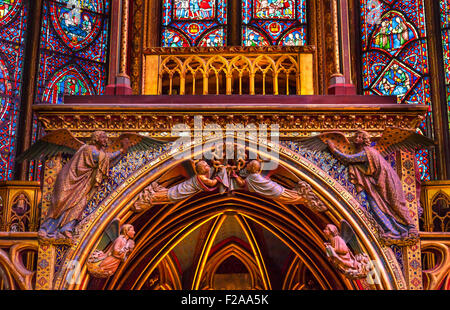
{"points": [[290, 73], [262, 68], [187, 64], [170, 72], [440, 195], [189, 220], [437, 277], [13, 267], [241, 73], [440, 216], [217, 74], [168, 276], [20, 213], [236, 250], [199, 73], [292, 278], [169, 223]]}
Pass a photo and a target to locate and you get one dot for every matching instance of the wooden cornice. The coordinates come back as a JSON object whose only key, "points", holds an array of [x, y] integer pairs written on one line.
{"points": [[295, 115]]}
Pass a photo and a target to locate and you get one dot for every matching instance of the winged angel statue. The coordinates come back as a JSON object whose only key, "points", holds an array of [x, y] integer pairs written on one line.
{"points": [[113, 249], [344, 252], [371, 173], [80, 177]]}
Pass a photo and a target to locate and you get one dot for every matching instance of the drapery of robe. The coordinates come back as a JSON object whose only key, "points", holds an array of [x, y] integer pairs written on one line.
{"points": [[186, 189], [227, 181], [155, 194], [116, 254], [381, 182], [257, 183], [76, 183], [342, 251]]}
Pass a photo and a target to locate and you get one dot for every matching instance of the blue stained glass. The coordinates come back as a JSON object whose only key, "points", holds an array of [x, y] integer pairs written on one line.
{"points": [[73, 57], [270, 22], [395, 57], [445, 29], [194, 23], [13, 23], [74, 35]]}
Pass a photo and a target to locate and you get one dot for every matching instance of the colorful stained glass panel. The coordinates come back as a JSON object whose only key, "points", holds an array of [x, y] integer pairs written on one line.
{"points": [[13, 24], [194, 23], [73, 53], [395, 57], [74, 38], [194, 10], [445, 30], [274, 22], [274, 9]]}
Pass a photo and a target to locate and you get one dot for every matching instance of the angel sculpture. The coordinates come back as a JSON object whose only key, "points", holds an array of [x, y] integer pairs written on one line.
{"points": [[371, 173], [156, 194], [353, 266], [257, 183], [79, 178], [111, 251]]}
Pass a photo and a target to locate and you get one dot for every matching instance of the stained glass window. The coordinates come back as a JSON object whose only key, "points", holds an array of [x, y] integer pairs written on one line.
{"points": [[194, 23], [13, 21], [274, 22], [445, 26], [395, 57], [73, 52], [74, 45]]}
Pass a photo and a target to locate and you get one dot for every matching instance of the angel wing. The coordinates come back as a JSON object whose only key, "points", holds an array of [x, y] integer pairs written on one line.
{"points": [[111, 233], [349, 236], [58, 141], [137, 143], [397, 139], [319, 142]]}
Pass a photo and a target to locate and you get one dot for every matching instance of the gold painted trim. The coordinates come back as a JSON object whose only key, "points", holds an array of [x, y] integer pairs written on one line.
{"points": [[369, 242]]}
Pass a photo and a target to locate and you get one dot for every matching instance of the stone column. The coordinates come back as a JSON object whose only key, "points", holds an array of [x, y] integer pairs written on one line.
{"points": [[412, 261], [340, 83], [119, 81]]}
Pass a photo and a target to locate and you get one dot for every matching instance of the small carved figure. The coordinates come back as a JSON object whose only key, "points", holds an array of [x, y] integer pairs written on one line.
{"points": [[371, 173], [103, 264], [21, 205], [303, 193], [225, 167], [79, 178], [351, 265], [157, 194]]}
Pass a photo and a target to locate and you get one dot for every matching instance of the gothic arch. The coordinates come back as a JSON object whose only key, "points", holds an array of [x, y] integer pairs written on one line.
{"points": [[296, 226]]}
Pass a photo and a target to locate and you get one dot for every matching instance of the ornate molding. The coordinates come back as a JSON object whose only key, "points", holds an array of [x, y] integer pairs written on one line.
{"points": [[229, 49], [14, 247], [293, 120], [136, 46]]}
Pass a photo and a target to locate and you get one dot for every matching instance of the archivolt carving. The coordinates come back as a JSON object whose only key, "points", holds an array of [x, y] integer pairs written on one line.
{"points": [[219, 257], [13, 267], [438, 277]]}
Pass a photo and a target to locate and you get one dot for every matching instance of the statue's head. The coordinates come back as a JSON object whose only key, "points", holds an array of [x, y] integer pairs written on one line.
{"points": [[128, 231], [99, 138], [254, 166], [202, 167], [331, 231], [361, 138]]}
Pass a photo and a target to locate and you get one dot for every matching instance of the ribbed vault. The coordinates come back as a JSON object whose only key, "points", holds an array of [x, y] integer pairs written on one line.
{"points": [[282, 249]]}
